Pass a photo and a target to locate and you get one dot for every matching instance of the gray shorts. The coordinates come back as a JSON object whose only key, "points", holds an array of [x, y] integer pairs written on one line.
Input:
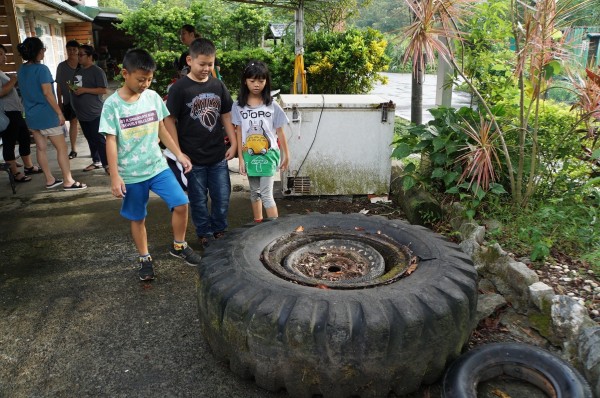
{"points": [[53, 131], [261, 188]]}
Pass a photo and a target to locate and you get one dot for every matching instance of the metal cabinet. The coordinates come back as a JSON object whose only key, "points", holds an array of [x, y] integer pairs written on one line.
{"points": [[339, 144]]}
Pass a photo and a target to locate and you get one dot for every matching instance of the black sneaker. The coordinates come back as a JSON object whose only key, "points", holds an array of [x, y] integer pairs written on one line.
{"points": [[146, 271], [203, 242], [188, 255], [219, 235]]}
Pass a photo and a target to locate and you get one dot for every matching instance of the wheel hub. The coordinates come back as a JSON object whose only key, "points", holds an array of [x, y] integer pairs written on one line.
{"points": [[336, 259]]}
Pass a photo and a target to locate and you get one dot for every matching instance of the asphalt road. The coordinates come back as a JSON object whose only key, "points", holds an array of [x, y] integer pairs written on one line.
{"points": [[398, 89], [75, 319]]}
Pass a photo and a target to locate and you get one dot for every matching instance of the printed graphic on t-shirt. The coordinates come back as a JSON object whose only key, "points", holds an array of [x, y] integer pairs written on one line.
{"points": [[255, 114], [205, 108], [78, 80], [137, 126], [257, 141]]}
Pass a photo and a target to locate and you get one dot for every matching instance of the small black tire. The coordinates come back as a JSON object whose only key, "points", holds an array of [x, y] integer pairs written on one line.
{"points": [[521, 361], [361, 340]]}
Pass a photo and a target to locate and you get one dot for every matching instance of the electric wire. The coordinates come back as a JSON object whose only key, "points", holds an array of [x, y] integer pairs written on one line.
{"points": [[314, 138]]}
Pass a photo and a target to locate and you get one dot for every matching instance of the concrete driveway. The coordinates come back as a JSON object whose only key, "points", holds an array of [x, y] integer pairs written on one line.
{"points": [[76, 321]]}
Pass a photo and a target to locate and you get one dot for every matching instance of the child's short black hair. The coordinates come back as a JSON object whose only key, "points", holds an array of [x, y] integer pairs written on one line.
{"points": [[137, 59], [202, 46], [89, 51], [73, 43]]}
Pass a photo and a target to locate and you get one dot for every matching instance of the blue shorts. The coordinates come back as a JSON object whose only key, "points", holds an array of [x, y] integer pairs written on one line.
{"points": [[164, 184]]}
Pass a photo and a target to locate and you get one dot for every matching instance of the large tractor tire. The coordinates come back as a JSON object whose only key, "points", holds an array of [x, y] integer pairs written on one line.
{"points": [[337, 305]]}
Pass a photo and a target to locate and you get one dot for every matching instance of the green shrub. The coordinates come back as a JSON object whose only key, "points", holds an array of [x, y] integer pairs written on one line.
{"points": [[233, 62], [441, 145], [345, 62], [569, 225], [165, 70], [282, 69], [560, 168], [561, 91], [395, 52]]}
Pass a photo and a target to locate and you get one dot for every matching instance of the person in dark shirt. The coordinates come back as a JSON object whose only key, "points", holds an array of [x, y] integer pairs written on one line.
{"points": [[187, 34], [200, 107]]}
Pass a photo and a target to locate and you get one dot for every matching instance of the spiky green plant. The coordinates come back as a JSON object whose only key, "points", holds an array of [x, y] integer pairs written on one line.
{"points": [[480, 158]]}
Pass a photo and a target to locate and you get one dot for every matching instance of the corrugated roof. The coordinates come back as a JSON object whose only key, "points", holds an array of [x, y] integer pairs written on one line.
{"points": [[103, 12], [66, 8]]}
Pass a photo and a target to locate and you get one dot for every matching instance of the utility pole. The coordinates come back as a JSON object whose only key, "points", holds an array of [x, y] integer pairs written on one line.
{"points": [[416, 95], [443, 89], [299, 78]]}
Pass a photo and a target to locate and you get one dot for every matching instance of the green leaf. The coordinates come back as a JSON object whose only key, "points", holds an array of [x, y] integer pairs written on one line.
{"points": [[557, 35], [409, 168], [439, 158], [497, 188], [422, 145], [438, 173], [596, 154], [408, 182], [430, 132], [451, 147], [437, 112], [402, 151], [592, 182], [450, 177], [540, 251], [470, 214], [499, 110], [452, 190], [479, 193], [552, 68], [438, 143]]}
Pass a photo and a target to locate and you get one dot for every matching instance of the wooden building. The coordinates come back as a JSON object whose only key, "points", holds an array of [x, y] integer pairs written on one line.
{"points": [[53, 21]]}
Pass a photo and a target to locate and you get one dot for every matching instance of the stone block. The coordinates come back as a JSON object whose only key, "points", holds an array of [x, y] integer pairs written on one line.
{"points": [[487, 304], [568, 318], [472, 231], [541, 295], [470, 247], [589, 355]]}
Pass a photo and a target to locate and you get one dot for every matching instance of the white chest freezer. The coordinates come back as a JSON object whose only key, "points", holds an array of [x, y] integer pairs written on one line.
{"points": [[339, 144]]}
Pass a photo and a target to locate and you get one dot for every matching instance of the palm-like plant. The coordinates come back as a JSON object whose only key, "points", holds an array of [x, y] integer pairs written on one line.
{"points": [[480, 155], [430, 23], [539, 49], [588, 105], [540, 52], [436, 23], [588, 99]]}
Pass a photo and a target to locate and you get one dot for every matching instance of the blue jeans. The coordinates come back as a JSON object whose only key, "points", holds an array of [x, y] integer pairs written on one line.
{"points": [[210, 180]]}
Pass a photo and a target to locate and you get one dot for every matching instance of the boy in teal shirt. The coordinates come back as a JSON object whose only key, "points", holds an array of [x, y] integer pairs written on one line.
{"points": [[132, 121]]}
